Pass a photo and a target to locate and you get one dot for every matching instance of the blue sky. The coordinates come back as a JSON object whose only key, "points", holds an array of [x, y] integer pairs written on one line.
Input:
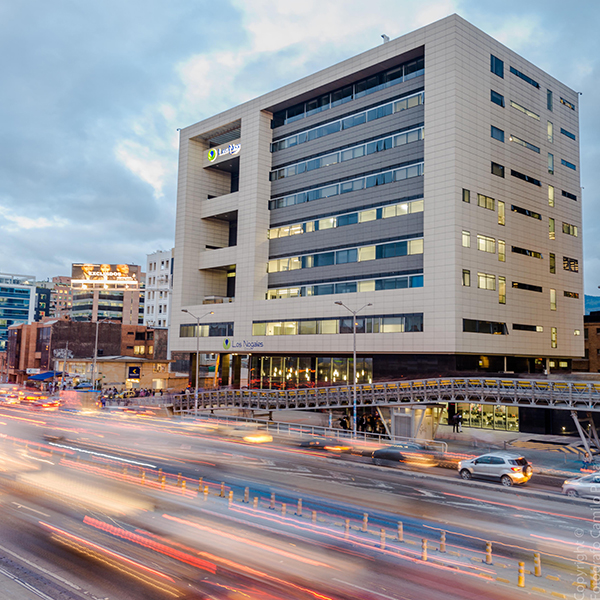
{"points": [[93, 92]]}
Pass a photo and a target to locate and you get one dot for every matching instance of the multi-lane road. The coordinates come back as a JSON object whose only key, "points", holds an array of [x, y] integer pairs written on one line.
{"points": [[120, 506]]}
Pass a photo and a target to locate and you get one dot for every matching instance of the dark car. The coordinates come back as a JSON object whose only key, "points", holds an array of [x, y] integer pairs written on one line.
{"points": [[408, 452], [328, 444]]}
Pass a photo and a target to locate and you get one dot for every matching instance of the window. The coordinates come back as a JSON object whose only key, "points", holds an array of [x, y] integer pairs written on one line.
{"points": [[552, 263], [567, 104], [466, 278], [526, 252], [550, 195], [553, 337], [568, 134], [485, 202], [569, 195], [526, 212], [549, 99], [527, 178], [572, 295], [491, 327], [497, 134], [570, 264], [569, 229], [466, 196], [568, 164], [486, 281], [551, 229], [524, 110], [486, 244], [550, 163], [524, 77], [497, 98], [497, 66], [501, 213], [501, 250], [521, 327], [517, 140], [139, 349], [527, 286], [501, 290], [550, 132], [497, 169], [466, 239]]}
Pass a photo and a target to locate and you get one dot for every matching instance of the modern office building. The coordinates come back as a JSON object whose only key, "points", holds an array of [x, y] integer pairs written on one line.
{"points": [[105, 291], [17, 303], [159, 286], [431, 184]]}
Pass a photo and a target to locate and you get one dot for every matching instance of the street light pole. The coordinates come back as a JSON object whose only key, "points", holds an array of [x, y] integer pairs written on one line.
{"points": [[197, 353], [95, 357], [354, 313]]}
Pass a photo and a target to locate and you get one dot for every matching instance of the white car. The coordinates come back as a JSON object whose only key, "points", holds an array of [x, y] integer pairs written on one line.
{"points": [[499, 466], [586, 487]]}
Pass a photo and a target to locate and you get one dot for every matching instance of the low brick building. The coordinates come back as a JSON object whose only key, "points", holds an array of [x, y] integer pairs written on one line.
{"points": [[39, 345]]}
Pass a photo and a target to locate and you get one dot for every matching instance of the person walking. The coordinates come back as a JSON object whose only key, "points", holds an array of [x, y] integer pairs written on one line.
{"points": [[454, 421], [459, 422]]}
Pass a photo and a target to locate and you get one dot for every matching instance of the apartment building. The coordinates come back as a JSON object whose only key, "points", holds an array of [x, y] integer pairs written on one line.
{"points": [[159, 286], [428, 188]]}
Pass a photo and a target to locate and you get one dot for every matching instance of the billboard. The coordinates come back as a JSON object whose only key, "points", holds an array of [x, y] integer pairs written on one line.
{"points": [[104, 276]]}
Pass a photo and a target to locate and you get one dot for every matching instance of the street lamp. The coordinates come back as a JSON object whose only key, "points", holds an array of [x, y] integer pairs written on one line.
{"points": [[96, 350], [185, 310], [354, 313]]}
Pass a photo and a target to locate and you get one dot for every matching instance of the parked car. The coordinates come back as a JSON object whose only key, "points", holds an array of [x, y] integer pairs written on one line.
{"points": [[499, 466], [586, 487]]}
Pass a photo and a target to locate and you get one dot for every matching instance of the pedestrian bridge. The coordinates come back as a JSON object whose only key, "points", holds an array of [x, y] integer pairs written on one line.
{"points": [[530, 393]]}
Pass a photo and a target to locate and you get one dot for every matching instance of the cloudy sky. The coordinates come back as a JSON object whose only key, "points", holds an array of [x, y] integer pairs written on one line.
{"points": [[92, 94]]}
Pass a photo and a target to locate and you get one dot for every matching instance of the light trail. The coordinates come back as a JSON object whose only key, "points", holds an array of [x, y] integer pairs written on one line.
{"points": [[125, 460]]}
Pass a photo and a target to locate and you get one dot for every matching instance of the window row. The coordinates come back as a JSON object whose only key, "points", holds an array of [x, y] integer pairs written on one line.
{"points": [[348, 255], [524, 77], [485, 244], [363, 216], [368, 324], [569, 229], [517, 140], [206, 330], [526, 212], [526, 252], [366, 116], [365, 149], [364, 182], [361, 88], [347, 287], [568, 134], [492, 327], [524, 110]]}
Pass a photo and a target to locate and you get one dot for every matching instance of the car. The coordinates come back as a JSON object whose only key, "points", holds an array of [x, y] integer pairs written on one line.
{"points": [[586, 487], [508, 468], [328, 444], [407, 452]]}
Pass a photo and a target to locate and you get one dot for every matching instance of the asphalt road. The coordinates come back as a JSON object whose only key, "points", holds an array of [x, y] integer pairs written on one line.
{"points": [[80, 522]]}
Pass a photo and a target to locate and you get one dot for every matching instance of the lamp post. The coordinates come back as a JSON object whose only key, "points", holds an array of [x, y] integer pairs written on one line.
{"points": [[354, 313], [185, 310], [96, 351]]}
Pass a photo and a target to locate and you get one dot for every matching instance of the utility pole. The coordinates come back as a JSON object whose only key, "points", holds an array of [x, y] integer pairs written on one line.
{"points": [[62, 381]]}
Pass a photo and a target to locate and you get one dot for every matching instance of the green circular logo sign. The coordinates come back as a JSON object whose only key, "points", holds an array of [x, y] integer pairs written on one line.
{"points": [[226, 344], [212, 154]]}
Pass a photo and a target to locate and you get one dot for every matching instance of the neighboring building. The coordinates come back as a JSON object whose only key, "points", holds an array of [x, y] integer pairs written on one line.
{"points": [[17, 303], [159, 286], [39, 345], [105, 291], [61, 299], [590, 363], [431, 184], [42, 302]]}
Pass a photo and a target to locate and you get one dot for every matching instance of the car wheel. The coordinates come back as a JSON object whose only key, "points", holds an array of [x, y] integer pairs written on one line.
{"points": [[572, 493], [466, 474], [506, 481]]}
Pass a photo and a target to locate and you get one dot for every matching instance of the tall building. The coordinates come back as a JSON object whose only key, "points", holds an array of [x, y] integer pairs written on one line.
{"points": [[431, 185], [104, 291], [17, 303], [159, 286]]}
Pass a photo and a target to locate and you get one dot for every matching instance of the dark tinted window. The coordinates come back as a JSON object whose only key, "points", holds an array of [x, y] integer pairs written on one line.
{"points": [[497, 66], [496, 460], [497, 98]]}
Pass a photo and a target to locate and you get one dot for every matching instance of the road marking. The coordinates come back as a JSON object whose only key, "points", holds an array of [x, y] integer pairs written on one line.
{"points": [[25, 584], [39, 512], [370, 591], [31, 564]]}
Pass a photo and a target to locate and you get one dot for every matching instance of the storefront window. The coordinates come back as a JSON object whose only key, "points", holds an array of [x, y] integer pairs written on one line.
{"points": [[488, 416], [500, 417]]}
